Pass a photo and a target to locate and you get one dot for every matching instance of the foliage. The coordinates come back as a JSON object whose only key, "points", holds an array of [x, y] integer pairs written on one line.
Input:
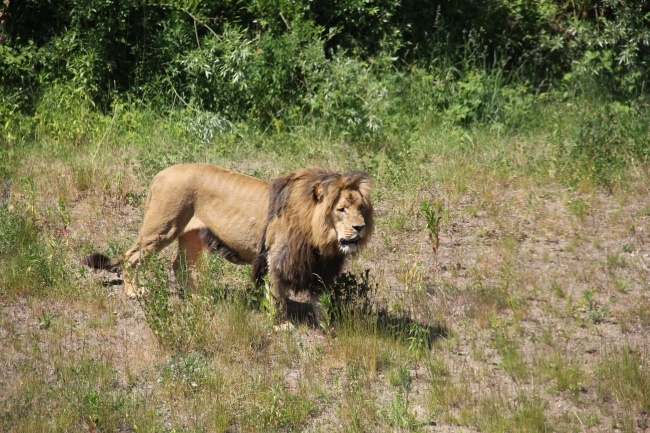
{"points": [[28, 265], [433, 213], [360, 71], [350, 295], [277, 62]]}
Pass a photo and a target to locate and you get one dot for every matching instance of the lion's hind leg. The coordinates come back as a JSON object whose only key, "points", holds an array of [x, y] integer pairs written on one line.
{"points": [[151, 238]]}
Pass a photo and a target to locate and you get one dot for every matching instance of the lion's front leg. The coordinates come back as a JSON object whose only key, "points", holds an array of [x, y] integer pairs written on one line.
{"points": [[189, 248], [132, 259], [130, 288]]}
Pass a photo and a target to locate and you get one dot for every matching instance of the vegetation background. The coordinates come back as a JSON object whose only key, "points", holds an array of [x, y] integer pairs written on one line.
{"points": [[507, 288]]}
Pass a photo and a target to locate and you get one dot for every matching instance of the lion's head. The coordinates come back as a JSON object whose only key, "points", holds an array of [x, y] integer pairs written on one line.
{"points": [[343, 211]]}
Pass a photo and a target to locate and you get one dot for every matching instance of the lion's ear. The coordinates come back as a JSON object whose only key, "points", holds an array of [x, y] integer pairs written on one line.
{"points": [[360, 181], [365, 187], [319, 191]]}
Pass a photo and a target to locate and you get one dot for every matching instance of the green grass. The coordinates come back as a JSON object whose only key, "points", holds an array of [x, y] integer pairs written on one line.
{"points": [[624, 375]]}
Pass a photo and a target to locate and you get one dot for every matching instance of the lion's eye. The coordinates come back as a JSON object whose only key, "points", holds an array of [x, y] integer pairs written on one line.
{"points": [[341, 209], [362, 208]]}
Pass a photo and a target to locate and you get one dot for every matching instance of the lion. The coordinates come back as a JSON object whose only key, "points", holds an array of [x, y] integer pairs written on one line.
{"points": [[299, 228]]}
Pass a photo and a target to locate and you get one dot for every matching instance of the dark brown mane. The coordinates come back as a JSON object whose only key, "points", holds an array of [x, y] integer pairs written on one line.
{"points": [[308, 262]]}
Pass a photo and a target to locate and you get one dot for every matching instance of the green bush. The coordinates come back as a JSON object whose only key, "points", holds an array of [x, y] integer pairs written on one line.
{"points": [[258, 59]]}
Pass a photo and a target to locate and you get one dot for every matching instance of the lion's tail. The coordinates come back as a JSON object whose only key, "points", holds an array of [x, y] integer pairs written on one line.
{"points": [[100, 261]]}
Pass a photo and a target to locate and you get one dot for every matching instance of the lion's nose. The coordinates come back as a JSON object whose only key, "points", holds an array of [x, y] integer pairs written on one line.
{"points": [[358, 228]]}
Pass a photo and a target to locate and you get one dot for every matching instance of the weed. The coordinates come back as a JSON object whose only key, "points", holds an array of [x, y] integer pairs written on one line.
{"points": [[325, 320], [641, 312], [29, 266], [620, 283], [615, 260], [173, 320], [357, 406], [590, 309], [45, 320], [418, 338], [350, 295], [84, 176], [259, 297], [445, 392], [433, 213], [283, 409], [189, 372], [135, 199], [398, 413], [568, 375], [487, 301], [4, 197], [526, 414], [580, 207], [557, 290], [508, 349], [624, 375], [64, 214]]}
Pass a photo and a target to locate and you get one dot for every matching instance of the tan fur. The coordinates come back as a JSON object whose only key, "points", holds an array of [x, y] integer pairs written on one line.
{"points": [[300, 226]]}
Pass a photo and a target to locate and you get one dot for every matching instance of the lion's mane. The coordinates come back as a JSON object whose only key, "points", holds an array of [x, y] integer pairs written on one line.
{"points": [[300, 213]]}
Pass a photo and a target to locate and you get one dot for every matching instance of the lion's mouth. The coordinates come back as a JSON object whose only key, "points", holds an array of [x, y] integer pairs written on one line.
{"points": [[349, 245]]}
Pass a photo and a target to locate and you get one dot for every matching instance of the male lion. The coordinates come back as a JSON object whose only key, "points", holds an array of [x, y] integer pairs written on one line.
{"points": [[299, 228]]}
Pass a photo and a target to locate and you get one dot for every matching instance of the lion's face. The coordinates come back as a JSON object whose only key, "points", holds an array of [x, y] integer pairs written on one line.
{"points": [[350, 215]]}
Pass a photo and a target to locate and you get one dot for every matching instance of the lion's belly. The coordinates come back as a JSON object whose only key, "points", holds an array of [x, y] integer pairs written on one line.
{"points": [[239, 234], [243, 237]]}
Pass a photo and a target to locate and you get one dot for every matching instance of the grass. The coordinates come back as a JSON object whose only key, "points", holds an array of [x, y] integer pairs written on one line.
{"points": [[530, 314]]}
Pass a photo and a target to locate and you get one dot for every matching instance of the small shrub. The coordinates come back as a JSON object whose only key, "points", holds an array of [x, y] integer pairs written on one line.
{"points": [[398, 413], [608, 141], [433, 213], [352, 96], [350, 296], [173, 319]]}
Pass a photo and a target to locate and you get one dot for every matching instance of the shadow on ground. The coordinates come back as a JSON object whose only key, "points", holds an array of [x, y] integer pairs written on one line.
{"points": [[397, 326]]}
